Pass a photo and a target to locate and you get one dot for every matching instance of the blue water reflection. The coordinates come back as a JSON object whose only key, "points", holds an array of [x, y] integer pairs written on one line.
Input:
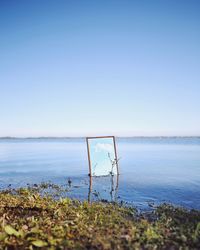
{"points": [[152, 170]]}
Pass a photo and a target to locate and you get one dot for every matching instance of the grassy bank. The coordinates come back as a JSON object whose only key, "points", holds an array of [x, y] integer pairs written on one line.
{"points": [[30, 221]]}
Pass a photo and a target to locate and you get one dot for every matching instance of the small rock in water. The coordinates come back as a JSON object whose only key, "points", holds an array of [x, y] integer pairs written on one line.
{"points": [[69, 182]]}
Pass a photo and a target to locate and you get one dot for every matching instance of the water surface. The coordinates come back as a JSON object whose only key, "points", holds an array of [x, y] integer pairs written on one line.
{"points": [[152, 170]]}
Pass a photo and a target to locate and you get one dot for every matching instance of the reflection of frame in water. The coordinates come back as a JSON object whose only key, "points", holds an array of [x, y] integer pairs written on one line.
{"points": [[113, 189]]}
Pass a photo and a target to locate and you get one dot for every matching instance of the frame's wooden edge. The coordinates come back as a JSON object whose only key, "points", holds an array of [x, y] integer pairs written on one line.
{"points": [[115, 148], [89, 161], [88, 149], [100, 137]]}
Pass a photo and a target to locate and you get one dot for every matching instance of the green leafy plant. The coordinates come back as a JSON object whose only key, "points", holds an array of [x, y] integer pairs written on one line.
{"points": [[31, 220]]}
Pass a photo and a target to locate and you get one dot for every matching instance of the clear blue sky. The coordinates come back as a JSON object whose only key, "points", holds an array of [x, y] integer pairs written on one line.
{"points": [[70, 68]]}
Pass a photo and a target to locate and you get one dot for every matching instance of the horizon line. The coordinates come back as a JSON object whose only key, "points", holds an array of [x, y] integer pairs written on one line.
{"points": [[81, 137]]}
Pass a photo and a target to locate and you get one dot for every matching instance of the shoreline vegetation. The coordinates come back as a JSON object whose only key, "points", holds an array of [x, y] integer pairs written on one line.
{"points": [[36, 217]]}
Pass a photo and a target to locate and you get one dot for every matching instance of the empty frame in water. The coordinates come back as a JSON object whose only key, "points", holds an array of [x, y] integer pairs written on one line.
{"points": [[102, 156]]}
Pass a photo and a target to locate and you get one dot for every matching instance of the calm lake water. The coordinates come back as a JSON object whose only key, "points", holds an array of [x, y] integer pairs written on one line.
{"points": [[152, 170]]}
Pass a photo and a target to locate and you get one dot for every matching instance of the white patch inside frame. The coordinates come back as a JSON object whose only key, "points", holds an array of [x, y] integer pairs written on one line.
{"points": [[102, 156]]}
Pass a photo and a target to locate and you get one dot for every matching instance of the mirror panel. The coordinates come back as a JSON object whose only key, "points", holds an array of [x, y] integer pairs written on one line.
{"points": [[102, 156]]}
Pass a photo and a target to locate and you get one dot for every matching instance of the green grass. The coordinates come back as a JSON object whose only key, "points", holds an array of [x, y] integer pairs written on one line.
{"points": [[30, 221]]}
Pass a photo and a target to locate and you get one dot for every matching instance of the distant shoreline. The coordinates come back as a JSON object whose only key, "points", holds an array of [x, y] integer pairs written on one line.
{"points": [[82, 137]]}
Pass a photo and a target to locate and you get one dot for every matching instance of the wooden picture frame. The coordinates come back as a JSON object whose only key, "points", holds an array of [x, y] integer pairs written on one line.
{"points": [[89, 152]]}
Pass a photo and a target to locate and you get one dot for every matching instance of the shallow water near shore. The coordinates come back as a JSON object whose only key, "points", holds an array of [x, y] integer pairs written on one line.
{"points": [[152, 170]]}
